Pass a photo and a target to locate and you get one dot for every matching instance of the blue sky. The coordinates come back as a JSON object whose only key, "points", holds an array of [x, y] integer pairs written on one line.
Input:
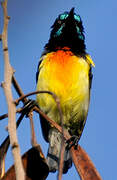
{"points": [[29, 30]]}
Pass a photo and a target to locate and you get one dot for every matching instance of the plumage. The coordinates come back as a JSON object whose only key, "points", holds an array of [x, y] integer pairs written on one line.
{"points": [[64, 69]]}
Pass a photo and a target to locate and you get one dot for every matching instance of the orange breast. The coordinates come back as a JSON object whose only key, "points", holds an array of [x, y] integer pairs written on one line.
{"points": [[61, 67], [64, 74]]}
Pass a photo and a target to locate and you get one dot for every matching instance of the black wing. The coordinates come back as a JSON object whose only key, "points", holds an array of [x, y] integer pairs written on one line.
{"points": [[37, 73], [90, 77]]}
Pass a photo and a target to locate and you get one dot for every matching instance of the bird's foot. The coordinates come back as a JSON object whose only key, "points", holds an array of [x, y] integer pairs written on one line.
{"points": [[28, 105], [73, 141]]}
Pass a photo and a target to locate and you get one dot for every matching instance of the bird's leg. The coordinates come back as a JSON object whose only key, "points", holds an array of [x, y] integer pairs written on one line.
{"points": [[73, 141], [28, 105]]}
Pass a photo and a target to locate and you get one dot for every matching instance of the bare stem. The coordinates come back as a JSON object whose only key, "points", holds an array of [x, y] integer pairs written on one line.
{"points": [[82, 162], [33, 136], [19, 110], [60, 171], [8, 73], [18, 88]]}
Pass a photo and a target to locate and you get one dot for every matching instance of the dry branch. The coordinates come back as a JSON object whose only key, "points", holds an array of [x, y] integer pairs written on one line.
{"points": [[8, 73], [22, 97], [82, 162], [19, 110], [18, 89], [33, 136], [4, 148], [34, 164]]}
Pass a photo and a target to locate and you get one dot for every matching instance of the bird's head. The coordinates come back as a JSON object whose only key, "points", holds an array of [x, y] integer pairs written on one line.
{"points": [[67, 31]]}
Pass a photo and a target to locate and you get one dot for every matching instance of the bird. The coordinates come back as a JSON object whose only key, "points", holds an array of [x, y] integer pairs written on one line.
{"points": [[65, 69]]}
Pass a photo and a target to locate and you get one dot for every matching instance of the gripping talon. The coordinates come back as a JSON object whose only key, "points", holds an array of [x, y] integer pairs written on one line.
{"points": [[73, 141], [28, 106]]}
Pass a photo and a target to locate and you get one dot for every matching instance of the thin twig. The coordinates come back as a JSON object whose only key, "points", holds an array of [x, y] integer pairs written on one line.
{"points": [[18, 89], [30, 115], [33, 93], [61, 162], [3, 116], [0, 37], [78, 155], [42, 92], [19, 110], [33, 136], [82, 162], [60, 171], [8, 93], [4, 148]]}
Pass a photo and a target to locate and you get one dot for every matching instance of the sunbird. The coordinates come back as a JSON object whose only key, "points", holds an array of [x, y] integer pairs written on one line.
{"points": [[65, 69]]}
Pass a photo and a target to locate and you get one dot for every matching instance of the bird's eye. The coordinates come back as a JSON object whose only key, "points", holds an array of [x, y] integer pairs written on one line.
{"points": [[77, 17], [63, 16], [59, 22]]}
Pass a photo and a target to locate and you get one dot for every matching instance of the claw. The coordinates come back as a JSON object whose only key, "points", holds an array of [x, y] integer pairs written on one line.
{"points": [[73, 141], [28, 106]]}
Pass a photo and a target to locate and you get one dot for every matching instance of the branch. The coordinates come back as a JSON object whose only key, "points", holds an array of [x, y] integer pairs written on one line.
{"points": [[82, 162], [18, 89], [4, 148], [34, 164], [8, 93], [19, 110], [22, 97], [33, 136]]}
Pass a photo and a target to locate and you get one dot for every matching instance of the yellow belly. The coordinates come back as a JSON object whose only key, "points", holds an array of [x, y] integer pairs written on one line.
{"points": [[67, 76]]}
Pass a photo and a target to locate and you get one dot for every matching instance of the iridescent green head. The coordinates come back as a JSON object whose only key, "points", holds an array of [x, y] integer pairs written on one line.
{"points": [[68, 30], [68, 22]]}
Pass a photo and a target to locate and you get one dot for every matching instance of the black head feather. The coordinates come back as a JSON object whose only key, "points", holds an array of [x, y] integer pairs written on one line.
{"points": [[67, 31]]}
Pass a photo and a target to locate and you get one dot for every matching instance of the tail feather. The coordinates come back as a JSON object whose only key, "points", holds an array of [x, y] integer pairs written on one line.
{"points": [[53, 155]]}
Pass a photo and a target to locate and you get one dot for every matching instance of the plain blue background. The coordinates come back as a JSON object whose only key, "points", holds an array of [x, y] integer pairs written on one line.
{"points": [[29, 30]]}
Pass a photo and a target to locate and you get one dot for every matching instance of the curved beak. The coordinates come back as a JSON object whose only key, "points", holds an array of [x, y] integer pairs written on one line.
{"points": [[71, 13]]}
